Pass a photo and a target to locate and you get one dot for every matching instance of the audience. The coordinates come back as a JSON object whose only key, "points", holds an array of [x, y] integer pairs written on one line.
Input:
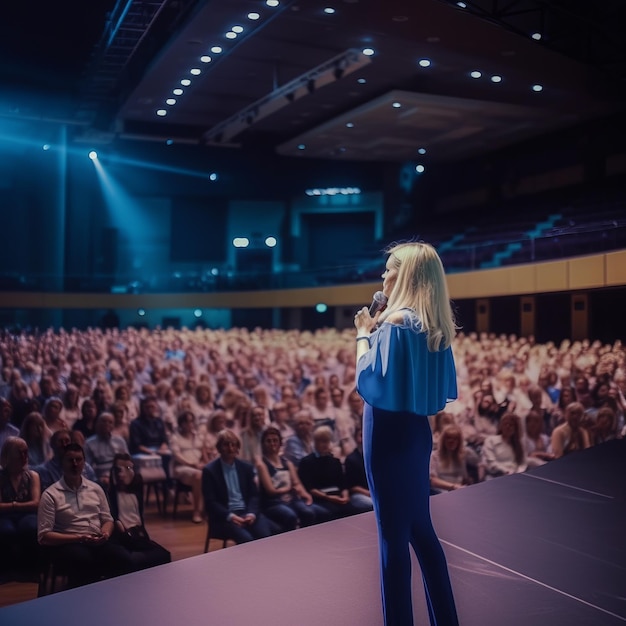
{"points": [[101, 448], [251, 381]]}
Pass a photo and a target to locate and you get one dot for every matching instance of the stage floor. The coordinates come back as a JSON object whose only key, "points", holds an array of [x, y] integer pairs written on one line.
{"points": [[546, 548]]}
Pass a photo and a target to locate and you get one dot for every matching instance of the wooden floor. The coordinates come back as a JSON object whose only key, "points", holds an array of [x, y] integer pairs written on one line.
{"points": [[181, 537]]}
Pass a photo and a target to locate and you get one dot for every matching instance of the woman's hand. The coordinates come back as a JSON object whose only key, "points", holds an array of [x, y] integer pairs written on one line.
{"points": [[364, 322]]}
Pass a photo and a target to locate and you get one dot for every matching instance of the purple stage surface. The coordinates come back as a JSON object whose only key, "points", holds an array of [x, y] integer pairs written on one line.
{"points": [[546, 548]]}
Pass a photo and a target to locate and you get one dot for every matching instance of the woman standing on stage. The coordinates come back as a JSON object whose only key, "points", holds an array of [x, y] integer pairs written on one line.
{"points": [[405, 372]]}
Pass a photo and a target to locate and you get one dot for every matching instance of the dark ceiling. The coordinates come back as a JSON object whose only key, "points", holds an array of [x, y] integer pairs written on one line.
{"points": [[296, 81]]}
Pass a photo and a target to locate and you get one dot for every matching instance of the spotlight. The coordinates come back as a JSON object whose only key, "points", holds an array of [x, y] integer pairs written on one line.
{"points": [[420, 168], [424, 62], [320, 307], [536, 36], [272, 3], [185, 82], [93, 155], [496, 79], [216, 49], [475, 74], [197, 313], [46, 146], [213, 176], [368, 52], [329, 10], [270, 241], [178, 92], [421, 150], [361, 81], [196, 71], [350, 125], [253, 16], [231, 35], [169, 142], [396, 105], [161, 112], [537, 87], [461, 5], [241, 242], [301, 146], [205, 58], [170, 101], [141, 312], [237, 29]]}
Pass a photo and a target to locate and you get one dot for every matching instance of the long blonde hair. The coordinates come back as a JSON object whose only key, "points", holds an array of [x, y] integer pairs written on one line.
{"points": [[421, 286]]}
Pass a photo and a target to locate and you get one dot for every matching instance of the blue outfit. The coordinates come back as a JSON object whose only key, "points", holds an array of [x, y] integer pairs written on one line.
{"points": [[402, 382]]}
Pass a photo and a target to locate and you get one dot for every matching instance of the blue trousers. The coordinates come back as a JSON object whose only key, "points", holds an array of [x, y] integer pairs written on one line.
{"points": [[396, 449]]}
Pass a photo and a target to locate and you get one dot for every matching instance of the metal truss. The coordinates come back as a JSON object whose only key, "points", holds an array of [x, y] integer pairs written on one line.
{"points": [[125, 48]]}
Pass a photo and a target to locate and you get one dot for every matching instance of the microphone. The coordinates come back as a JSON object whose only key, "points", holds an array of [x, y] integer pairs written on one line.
{"points": [[379, 301]]}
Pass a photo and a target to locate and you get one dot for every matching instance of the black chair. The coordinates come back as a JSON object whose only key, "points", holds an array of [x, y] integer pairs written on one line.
{"points": [[50, 570], [210, 536], [179, 489]]}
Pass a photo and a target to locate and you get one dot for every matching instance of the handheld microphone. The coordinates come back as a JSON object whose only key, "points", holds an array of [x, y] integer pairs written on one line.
{"points": [[379, 301]]}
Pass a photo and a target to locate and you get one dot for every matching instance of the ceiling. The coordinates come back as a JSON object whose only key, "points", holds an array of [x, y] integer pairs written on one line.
{"points": [[296, 80]]}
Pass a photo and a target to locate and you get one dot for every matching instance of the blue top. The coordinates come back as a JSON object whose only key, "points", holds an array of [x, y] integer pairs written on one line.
{"points": [[399, 373]]}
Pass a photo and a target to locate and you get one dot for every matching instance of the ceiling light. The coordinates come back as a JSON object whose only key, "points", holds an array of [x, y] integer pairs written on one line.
{"points": [[197, 313], [178, 92], [93, 155], [270, 241], [536, 36], [195, 71], [170, 101], [496, 79], [230, 35], [462, 5], [368, 52], [475, 74], [424, 62], [272, 3], [216, 49], [141, 312], [420, 168], [396, 105], [185, 82], [161, 112], [421, 150], [46, 146], [329, 10], [169, 142], [253, 16], [237, 29], [537, 87], [350, 125], [213, 176], [301, 146], [206, 58]]}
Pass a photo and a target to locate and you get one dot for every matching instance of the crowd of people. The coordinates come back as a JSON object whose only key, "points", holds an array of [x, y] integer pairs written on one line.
{"points": [[262, 426]]}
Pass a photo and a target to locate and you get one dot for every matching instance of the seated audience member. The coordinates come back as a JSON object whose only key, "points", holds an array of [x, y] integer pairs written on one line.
{"points": [[126, 500], [147, 433], [503, 454], [101, 448], [322, 476], [604, 428], [51, 413], [231, 496], [280, 419], [87, 422], [582, 392], [215, 424], [301, 443], [448, 468], [539, 399], [52, 470], [203, 404], [75, 521], [37, 437], [251, 436], [120, 421], [283, 498], [71, 409], [570, 436], [440, 421], [6, 428], [21, 401], [355, 477], [189, 457], [536, 443], [19, 499]]}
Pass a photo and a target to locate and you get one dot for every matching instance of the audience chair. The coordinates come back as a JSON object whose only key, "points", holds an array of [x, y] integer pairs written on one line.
{"points": [[179, 489], [210, 536]]}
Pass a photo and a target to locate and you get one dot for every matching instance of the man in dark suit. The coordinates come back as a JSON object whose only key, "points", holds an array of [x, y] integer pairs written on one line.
{"points": [[231, 496]]}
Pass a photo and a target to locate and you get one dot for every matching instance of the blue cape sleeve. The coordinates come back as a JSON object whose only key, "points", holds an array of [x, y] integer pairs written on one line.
{"points": [[399, 373]]}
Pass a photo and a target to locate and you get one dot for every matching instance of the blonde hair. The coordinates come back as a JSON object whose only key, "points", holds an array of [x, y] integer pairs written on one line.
{"points": [[421, 286]]}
